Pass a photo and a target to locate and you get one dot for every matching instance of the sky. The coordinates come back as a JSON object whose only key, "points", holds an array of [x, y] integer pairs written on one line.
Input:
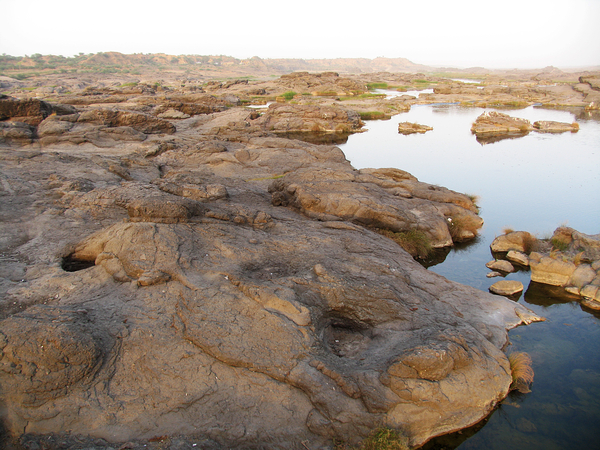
{"points": [[442, 33]]}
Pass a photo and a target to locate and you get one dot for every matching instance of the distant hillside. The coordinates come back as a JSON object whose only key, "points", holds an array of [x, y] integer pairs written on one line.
{"points": [[211, 66], [117, 62]]}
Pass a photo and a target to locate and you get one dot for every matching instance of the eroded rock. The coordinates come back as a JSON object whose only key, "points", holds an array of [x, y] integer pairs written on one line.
{"points": [[204, 310], [410, 128]]}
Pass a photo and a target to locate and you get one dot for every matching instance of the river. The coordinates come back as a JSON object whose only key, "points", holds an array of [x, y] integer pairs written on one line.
{"points": [[533, 183]]}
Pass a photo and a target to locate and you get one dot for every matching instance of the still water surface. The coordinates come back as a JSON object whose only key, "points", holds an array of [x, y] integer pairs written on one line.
{"points": [[534, 183]]}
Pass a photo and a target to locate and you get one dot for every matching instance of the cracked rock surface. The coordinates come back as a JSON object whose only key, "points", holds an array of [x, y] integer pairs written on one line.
{"points": [[230, 290]]}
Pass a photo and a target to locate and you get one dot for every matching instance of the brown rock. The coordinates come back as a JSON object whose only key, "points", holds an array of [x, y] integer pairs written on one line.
{"points": [[506, 287], [548, 126], [492, 123], [551, 271], [520, 241], [31, 111], [501, 265], [285, 118], [410, 128], [518, 258], [140, 122]]}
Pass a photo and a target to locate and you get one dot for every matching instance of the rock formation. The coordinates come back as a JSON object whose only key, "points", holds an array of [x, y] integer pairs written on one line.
{"points": [[410, 128], [569, 260], [493, 124], [211, 281], [549, 126]]}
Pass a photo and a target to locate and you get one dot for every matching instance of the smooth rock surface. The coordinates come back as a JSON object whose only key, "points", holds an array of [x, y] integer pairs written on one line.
{"points": [[500, 265], [506, 287], [518, 258], [157, 288]]}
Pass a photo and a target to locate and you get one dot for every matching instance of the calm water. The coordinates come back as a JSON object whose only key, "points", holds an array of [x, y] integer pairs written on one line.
{"points": [[533, 183]]}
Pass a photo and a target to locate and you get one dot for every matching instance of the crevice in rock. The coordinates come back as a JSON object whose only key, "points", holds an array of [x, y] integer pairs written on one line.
{"points": [[71, 264]]}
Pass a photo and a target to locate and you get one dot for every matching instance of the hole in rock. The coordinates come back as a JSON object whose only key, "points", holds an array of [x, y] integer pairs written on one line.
{"points": [[267, 271], [70, 264], [347, 338]]}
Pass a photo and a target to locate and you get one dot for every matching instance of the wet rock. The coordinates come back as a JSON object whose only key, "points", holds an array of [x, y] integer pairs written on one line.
{"points": [[500, 265], [506, 287], [518, 258], [494, 274]]}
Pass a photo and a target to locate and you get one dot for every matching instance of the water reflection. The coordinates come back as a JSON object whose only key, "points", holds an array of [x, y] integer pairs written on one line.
{"points": [[317, 138], [484, 140], [533, 183]]}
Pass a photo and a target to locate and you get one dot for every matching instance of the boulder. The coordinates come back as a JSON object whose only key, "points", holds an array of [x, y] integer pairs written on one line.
{"points": [[517, 257], [551, 271], [506, 287], [500, 265], [520, 241], [326, 83]]}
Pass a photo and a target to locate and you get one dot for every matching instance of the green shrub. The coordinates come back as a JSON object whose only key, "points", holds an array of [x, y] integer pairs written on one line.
{"points": [[288, 95], [559, 244], [372, 86], [373, 115], [381, 439]]}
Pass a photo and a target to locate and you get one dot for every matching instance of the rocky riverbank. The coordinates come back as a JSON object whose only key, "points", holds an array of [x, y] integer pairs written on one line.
{"points": [[206, 280], [569, 260]]}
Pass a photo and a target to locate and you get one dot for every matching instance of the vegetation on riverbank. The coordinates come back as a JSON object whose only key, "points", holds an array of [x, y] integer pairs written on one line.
{"points": [[521, 371], [380, 439]]}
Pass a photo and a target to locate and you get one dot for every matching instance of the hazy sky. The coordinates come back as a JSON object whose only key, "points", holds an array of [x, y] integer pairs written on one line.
{"points": [[461, 33]]}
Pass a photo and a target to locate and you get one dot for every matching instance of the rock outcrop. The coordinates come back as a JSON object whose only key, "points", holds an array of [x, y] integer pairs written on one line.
{"points": [[286, 118], [387, 199], [161, 288], [494, 125], [326, 83], [569, 260], [548, 126], [410, 128]]}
